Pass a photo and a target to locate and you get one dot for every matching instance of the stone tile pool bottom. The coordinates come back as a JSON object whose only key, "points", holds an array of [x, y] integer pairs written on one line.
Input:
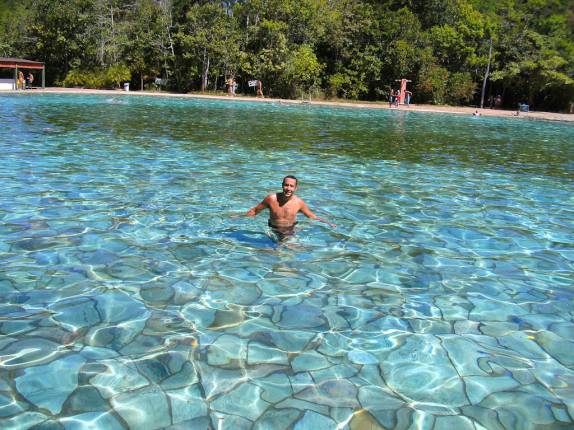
{"points": [[131, 297]]}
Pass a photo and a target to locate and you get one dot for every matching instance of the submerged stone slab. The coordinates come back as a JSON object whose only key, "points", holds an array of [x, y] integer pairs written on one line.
{"points": [[371, 375], [216, 381], [339, 371], [301, 381], [143, 344], [497, 328], [95, 353], [334, 345], [186, 403], [146, 408], [276, 387], [341, 415], [291, 340], [153, 369], [118, 378], [10, 406], [156, 294], [276, 419], [363, 420], [494, 310], [520, 410], [303, 405], [463, 327], [483, 417], [524, 345], [86, 399], [76, 313], [465, 354], [186, 376], [229, 422], [225, 349], [201, 423], [258, 353], [19, 354], [309, 360], [49, 386], [301, 316], [118, 306], [244, 401], [421, 370], [26, 420], [315, 421], [185, 292], [559, 348], [453, 422], [92, 420], [113, 336], [225, 319], [362, 357], [197, 314], [374, 398], [479, 387], [431, 326], [338, 393]]}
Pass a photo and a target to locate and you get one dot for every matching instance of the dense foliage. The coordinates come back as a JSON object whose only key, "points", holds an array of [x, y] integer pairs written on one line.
{"points": [[354, 49]]}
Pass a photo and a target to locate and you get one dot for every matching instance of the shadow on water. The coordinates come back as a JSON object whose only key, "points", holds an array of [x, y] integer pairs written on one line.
{"points": [[256, 239]]}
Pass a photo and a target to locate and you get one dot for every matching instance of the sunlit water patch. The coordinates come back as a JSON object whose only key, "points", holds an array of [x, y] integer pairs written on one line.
{"points": [[133, 296]]}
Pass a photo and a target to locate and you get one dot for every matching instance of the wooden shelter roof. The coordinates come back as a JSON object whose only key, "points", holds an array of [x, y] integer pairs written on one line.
{"points": [[12, 63]]}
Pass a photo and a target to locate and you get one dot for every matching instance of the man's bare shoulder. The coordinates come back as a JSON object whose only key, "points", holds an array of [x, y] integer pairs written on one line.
{"points": [[298, 201], [270, 198]]}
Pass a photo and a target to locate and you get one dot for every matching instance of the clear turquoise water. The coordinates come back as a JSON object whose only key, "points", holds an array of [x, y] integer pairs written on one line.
{"points": [[131, 297]]}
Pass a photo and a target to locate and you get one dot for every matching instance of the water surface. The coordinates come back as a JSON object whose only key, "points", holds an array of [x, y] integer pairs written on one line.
{"points": [[132, 296]]}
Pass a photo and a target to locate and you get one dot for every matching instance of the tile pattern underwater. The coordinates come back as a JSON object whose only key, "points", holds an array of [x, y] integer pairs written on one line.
{"points": [[134, 296]]}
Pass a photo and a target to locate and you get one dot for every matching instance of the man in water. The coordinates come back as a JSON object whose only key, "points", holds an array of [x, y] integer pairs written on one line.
{"points": [[283, 208]]}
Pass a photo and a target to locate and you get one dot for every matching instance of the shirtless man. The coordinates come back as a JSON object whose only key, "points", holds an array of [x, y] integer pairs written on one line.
{"points": [[283, 208]]}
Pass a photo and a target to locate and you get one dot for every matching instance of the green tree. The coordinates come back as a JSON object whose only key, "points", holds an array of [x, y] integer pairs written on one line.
{"points": [[204, 37], [303, 70], [55, 33], [143, 51]]}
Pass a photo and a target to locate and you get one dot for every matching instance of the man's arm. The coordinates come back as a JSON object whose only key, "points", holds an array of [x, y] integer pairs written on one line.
{"points": [[309, 214], [255, 210]]}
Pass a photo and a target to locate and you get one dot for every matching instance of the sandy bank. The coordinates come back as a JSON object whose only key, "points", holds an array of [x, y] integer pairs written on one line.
{"points": [[549, 116]]}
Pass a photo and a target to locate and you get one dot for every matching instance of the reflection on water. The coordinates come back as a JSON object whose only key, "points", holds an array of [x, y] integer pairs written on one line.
{"points": [[132, 297]]}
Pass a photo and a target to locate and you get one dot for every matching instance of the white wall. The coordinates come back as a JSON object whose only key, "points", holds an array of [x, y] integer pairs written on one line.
{"points": [[7, 84]]}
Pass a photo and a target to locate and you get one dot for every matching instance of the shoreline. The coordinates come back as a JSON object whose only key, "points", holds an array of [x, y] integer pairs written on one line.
{"points": [[457, 110]]}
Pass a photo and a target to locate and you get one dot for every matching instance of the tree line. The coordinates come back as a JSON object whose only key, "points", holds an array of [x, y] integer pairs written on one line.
{"points": [[350, 49]]}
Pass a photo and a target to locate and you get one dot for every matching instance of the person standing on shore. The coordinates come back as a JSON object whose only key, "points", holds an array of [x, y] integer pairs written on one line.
{"points": [[21, 80], [408, 96], [391, 98]]}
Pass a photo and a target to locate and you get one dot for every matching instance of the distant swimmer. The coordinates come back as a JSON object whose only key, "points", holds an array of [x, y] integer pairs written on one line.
{"points": [[283, 208], [476, 113]]}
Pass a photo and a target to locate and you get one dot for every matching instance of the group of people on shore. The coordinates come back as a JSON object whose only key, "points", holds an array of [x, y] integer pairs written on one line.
{"points": [[395, 98], [24, 83]]}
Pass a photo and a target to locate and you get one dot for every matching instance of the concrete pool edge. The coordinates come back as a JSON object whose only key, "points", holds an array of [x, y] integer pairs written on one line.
{"points": [[457, 110]]}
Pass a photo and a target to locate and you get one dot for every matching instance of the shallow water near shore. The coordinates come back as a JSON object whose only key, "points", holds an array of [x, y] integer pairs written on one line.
{"points": [[133, 296]]}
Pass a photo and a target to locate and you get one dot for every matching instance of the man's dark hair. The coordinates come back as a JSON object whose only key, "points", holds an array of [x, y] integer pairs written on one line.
{"points": [[290, 177]]}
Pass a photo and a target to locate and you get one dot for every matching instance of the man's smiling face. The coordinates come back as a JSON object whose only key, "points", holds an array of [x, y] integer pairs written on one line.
{"points": [[289, 187]]}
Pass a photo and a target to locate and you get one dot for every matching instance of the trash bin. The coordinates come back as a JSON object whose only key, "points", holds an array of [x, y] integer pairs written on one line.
{"points": [[126, 86]]}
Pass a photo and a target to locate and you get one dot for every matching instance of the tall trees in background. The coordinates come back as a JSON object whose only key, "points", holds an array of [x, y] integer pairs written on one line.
{"points": [[342, 48]]}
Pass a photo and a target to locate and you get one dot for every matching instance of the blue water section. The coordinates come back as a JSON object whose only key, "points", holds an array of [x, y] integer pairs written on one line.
{"points": [[134, 295]]}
